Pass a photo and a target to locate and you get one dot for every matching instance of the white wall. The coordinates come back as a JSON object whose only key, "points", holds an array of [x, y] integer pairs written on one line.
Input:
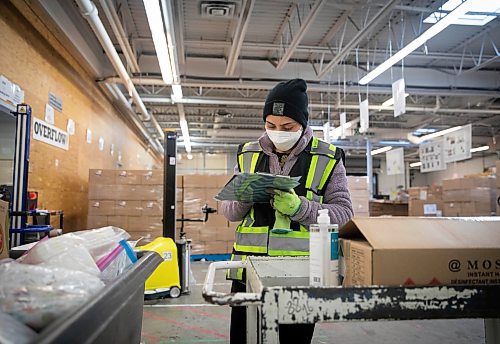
{"points": [[387, 185], [455, 170]]}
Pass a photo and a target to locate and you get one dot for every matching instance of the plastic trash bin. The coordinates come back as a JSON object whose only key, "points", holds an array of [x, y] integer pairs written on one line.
{"points": [[113, 316]]}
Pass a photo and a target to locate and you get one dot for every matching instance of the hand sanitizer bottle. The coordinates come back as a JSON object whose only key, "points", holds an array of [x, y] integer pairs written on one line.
{"points": [[323, 252]]}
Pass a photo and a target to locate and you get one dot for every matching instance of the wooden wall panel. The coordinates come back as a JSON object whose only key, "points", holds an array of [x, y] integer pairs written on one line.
{"points": [[61, 177]]}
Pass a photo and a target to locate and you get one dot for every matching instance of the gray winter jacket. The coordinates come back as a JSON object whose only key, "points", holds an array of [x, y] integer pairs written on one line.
{"points": [[336, 199]]}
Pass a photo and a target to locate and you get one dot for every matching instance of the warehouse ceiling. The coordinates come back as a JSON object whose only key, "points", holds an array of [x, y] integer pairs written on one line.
{"points": [[230, 53]]}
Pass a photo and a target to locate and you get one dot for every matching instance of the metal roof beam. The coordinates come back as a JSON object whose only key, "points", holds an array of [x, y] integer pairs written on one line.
{"points": [[301, 32], [359, 37]]}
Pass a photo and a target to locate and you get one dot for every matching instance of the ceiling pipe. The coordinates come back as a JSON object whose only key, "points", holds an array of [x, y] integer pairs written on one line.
{"points": [[311, 87], [315, 105], [89, 12], [112, 16], [125, 105], [368, 29]]}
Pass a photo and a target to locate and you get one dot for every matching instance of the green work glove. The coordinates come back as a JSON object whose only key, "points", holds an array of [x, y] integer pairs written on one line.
{"points": [[286, 202]]}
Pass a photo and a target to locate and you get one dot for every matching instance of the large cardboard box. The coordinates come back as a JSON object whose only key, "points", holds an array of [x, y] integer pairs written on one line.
{"points": [[359, 193], [200, 181], [154, 177], [102, 176], [357, 183], [129, 177], [478, 182], [97, 221], [451, 209], [101, 208], [152, 208], [421, 251], [417, 207], [360, 205], [128, 208], [452, 184], [4, 229]]}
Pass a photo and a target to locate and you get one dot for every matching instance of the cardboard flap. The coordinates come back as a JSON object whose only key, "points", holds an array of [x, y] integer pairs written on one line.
{"points": [[425, 233]]}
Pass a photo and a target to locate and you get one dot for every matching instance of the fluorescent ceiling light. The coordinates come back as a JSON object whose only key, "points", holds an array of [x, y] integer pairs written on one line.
{"points": [[185, 135], [155, 21], [438, 133], [479, 149], [390, 101], [176, 92], [467, 19], [424, 131], [416, 164], [190, 156], [381, 150], [424, 37]]}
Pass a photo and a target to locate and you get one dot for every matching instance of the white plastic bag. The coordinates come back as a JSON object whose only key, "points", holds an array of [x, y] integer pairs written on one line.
{"points": [[66, 251], [101, 241], [116, 262], [37, 295]]}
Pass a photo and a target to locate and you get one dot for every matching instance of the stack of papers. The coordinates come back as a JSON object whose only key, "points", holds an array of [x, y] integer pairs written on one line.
{"points": [[253, 187]]}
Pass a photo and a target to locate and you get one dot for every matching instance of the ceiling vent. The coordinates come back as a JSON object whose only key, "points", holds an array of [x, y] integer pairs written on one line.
{"points": [[218, 9]]}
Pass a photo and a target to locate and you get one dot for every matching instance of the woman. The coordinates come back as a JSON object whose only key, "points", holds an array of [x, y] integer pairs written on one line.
{"points": [[286, 148]]}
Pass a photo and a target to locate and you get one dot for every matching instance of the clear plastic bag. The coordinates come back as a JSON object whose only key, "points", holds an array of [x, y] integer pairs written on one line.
{"points": [[119, 260], [67, 251], [101, 241], [37, 295]]}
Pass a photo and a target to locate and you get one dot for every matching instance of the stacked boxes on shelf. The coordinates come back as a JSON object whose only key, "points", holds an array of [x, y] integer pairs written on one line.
{"points": [[384, 208], [469, 196], [425, 201], [358, 188], [215, 236], [129, 199]]}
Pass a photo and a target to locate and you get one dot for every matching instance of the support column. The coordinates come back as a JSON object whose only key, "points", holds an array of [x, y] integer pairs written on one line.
{"points": [[369, 167], [21, 167], [169, 184]]}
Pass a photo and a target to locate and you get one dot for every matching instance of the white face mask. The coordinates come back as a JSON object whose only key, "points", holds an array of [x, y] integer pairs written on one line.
{"points": [[284, 140]]}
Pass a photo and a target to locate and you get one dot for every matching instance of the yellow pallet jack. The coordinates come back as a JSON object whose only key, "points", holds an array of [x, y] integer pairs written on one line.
{"points": [[171, 277]]}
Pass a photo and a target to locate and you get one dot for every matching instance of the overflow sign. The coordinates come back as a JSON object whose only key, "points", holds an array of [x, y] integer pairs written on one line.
{"points": [[47, 133]]}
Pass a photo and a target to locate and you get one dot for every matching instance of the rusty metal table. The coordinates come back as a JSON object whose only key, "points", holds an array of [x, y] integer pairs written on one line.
{"points": [[278, 292]]}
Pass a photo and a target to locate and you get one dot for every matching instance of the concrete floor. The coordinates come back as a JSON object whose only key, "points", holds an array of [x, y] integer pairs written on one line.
{"points": [[189, 319]]}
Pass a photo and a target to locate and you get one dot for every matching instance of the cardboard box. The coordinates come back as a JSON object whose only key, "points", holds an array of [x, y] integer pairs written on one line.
{"points": [[221, 181], [147, 237], [101, 208], [4, 229], [498, 174], [360, 205], [194, 200], [357, 183], [478, 182], [421, 251], [96, 221], [118, 221], [154, 177], [129, 177], [102, 176], [225, 234], [152, 208], [216, 221], [417, 207], [128, 208], [418, 192], [145, 223], [482, 208], [359, 193], [452, 209], [455, 195], [200, 181], [452, 184]]}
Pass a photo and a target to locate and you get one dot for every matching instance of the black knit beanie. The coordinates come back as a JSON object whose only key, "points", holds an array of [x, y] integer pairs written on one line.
{"points": [[288, 98]]}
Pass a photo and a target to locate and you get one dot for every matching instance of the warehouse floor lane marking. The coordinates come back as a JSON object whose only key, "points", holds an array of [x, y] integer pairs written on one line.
{"points": [[189, 327]]}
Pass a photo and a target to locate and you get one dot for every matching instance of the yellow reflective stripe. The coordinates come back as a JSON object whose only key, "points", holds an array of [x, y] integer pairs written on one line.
{"points": [[287, 253], [240, 163], [326, 173], [310, 173], [303, 228], [252, 230], [309, 195], [250, 249], [315, 142], [253, 164]]}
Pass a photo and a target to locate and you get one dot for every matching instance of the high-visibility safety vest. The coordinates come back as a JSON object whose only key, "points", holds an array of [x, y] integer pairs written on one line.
{"points": [[315, 165]]}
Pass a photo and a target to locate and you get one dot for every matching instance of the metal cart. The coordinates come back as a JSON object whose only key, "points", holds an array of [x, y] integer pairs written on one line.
{"points": [[112, 316], [278, 292]]}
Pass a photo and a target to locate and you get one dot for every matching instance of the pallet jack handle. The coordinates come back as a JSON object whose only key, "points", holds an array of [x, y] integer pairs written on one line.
{"points": [[232, 299]]}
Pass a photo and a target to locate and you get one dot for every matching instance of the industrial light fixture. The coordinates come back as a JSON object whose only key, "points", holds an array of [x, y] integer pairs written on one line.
{"points": [[190, 156], [462, 9], [390, 102], [437, 134], [185, 136], [467, 19], [176, 92], [479, 149], [381, 150], [416, 164], [153, 12]]}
